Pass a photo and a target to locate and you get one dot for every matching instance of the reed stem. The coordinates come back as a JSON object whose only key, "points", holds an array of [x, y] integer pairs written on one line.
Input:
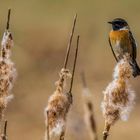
{"points": [[8, 19], [75, 59], [69, 44]]}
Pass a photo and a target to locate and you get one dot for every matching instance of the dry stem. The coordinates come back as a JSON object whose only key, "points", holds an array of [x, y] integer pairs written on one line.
{"points": [[4, 135], [75, 59], [8, 19], [48, 138], [89, 112], [106, 131], [69, 44]]}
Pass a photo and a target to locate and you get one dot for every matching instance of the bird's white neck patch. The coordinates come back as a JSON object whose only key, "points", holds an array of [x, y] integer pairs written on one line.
{"points": [[124, 28]]}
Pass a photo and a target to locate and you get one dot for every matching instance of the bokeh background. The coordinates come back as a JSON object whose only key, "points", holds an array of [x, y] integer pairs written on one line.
{"points": [[41, 31]]}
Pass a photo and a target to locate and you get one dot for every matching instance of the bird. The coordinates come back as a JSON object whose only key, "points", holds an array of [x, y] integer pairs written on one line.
{"points": [[122, 42]]}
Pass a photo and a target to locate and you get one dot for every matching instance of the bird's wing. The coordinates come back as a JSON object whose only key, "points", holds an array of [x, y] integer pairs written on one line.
{"points": [[112, 50], [134, 46]]}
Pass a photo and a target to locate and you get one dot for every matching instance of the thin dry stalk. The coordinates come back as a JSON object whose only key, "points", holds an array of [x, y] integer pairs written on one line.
{"points": [[89, 110], [47, 126], [8, 19], [61, 79], [4, 135], [106, 131], [7, 69], [70, 41], [118, 96], [75, 59]]}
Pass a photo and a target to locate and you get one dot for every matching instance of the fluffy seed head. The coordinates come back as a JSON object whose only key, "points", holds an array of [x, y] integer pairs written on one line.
{"points": [[118, 96], [58, 107], [7, 72], [123, 68], [6, 44]]}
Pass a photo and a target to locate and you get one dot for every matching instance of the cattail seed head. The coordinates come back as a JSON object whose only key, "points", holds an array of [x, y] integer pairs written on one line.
{"points": [[6, 44], [118, 96], [64, 75], [7, 72], [57, 108], [123, 70]]}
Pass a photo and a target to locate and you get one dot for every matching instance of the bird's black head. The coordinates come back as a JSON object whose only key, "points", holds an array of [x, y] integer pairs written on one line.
{"points": [[118, 23]]}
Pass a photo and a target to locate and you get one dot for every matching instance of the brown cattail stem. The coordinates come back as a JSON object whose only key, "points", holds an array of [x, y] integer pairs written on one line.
{"points": [[106, 131], [74, 65], [62, 136], [68, 49], [48, 136], [4, 135], [69, 44], [75, 59], [5, 128], [8, 19]]}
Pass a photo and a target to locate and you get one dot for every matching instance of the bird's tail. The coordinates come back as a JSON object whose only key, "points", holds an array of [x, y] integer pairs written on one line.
{"points": [[136, 69]]}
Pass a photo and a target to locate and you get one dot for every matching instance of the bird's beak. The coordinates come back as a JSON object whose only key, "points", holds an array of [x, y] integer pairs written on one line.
{"points": [[110, 22]]}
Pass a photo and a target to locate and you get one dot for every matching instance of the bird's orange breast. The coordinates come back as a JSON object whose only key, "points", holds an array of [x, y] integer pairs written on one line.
{"points": [[120, 42], [121, 37]]}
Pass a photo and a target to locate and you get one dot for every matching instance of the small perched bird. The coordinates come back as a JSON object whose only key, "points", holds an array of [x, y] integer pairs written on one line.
{"points": [[122, 42]]}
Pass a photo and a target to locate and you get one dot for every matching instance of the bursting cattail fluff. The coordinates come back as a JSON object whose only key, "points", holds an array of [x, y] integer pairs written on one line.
{"points": [[7, 72], [57, 108], [118, 96]]}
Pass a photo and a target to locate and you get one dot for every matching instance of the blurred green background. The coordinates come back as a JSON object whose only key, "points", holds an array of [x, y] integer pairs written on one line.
{"points": [[41, 31]]}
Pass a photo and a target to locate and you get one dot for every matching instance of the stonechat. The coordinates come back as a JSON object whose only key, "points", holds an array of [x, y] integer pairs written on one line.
{"points": [[122, 42]]}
